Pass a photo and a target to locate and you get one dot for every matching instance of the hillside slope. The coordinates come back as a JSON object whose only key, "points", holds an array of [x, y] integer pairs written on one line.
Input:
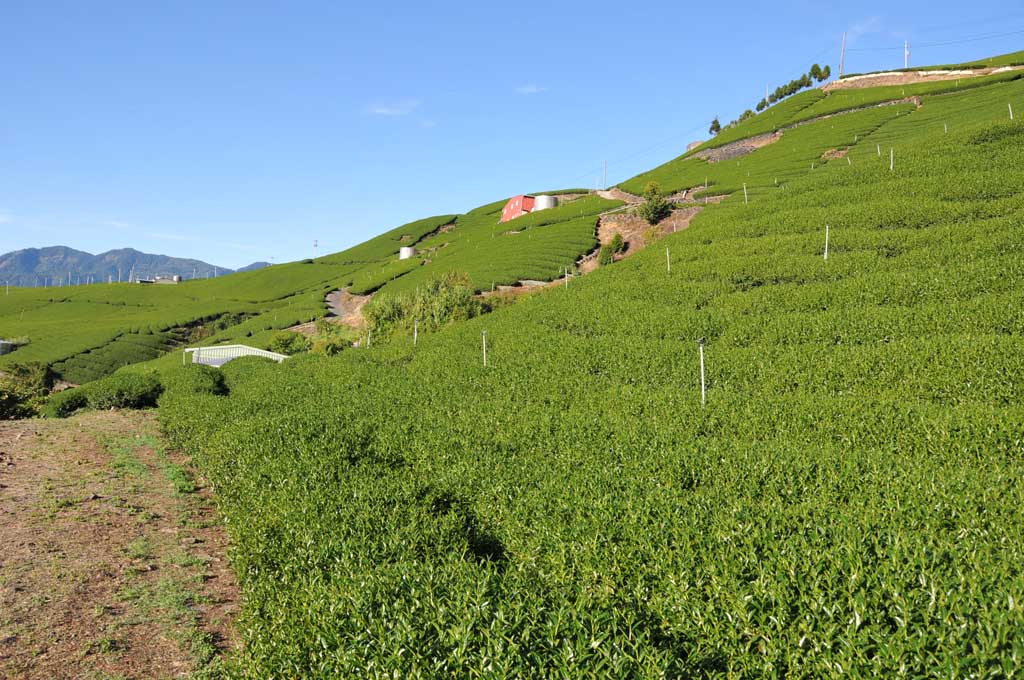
{"points": [[847, 502]]}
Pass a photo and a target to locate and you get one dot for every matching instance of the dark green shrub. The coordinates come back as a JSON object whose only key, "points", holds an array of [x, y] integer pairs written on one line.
{"points": [[63, 404], [328, 346], [654, 209], [618, 245], [23, 387], [288, 342], [124, 390], [606, 255]]}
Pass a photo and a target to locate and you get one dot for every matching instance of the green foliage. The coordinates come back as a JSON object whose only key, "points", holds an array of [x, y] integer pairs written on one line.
{"points": [[194, 379], [328, 347], [288, 342], [655, 208], [441, 300], [715, 127], [617, 244], [848, 499], [536, 246], [606, 255], [65, 403], [23, 388], [387, 244], [124, 390]]}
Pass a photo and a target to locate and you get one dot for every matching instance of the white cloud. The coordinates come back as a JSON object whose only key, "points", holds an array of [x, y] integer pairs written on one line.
{"points": [[394, 109], [427, 124], [531, 88]]}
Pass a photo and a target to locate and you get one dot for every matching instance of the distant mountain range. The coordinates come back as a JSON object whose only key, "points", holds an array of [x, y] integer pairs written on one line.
{"points": [[59, 265]]}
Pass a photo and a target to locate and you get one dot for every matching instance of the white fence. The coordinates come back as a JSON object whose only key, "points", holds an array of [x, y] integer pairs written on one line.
{"points": [[222, 354]]}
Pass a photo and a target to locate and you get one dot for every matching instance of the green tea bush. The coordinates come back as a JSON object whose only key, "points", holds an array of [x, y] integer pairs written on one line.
{"points": [[194, 379], [65, 403], [124, 390], [846, 503]]}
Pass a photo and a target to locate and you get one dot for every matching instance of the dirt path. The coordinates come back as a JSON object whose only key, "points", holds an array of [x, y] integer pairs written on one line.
{"points": [[343, 308], [111, 558]]}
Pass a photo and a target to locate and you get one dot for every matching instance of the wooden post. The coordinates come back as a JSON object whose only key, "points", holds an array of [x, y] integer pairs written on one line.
{"points": [[891, 159], [483, 335], [415, 331], [826, 241], [668, 261], [744, 193]]}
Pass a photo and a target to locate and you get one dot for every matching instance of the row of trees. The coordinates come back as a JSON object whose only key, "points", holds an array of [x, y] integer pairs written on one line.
{"points": [[816, 73]]}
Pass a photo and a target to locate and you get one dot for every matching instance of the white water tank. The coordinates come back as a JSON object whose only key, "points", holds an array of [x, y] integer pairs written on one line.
{"points": [[544, 202], [406, 252]]}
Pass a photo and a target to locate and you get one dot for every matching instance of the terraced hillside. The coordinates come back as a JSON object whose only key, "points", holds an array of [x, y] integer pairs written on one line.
{"points": [[86, 332], [846, 503]]}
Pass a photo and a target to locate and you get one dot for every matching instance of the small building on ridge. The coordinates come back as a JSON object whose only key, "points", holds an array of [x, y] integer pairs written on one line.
{"points": [[518, 206]]}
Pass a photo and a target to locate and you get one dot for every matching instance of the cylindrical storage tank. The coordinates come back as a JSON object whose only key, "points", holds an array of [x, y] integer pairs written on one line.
{"points": [[406, 252], [176, 278], [544, 202]]}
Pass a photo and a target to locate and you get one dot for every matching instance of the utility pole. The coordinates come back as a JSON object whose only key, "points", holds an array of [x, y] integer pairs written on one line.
{"points": [[842, 55], [604, 183], [316, 244], [906, 54]]}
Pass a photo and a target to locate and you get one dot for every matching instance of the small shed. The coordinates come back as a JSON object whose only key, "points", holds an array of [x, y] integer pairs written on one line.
{"points": [[517, 206], [6, 347], [523, 204]]}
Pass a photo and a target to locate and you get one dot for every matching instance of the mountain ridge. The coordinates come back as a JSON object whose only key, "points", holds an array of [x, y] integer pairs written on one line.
{"points": [[54, 265]]}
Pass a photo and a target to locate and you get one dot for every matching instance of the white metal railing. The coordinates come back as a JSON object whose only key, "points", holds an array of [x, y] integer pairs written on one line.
{"points": [[221, 354]]}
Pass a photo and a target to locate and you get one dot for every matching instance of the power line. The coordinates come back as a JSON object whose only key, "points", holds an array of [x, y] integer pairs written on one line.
{"points": [[936, 44]]}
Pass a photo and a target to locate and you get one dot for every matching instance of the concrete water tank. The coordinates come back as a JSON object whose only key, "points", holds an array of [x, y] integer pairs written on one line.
{"points": [[544, 202], [406, 252]]}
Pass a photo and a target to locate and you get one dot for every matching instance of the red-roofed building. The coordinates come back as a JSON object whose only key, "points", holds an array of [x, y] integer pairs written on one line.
{"points": [[517, 206]]}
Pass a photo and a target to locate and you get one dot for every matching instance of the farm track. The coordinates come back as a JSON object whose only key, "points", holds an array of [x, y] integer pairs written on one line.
{"points": [[111, 556], [344, 308]]}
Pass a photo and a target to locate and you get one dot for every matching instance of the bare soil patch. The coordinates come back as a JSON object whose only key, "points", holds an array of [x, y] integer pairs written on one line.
{"points": [[343, 307], [617, 194], [911, 77], [738, 148], [111, 557]]}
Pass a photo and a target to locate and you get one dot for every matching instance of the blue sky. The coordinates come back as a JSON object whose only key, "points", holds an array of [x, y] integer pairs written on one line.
{"points": [[242, 131]]}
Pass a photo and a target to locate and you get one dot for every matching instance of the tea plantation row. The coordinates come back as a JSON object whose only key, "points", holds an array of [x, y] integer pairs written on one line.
{"points": [[847, 503]]}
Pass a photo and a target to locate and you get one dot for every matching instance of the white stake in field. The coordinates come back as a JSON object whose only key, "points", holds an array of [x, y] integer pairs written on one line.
{"points": [[826, 242], [703, 388], [483, 336]]}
